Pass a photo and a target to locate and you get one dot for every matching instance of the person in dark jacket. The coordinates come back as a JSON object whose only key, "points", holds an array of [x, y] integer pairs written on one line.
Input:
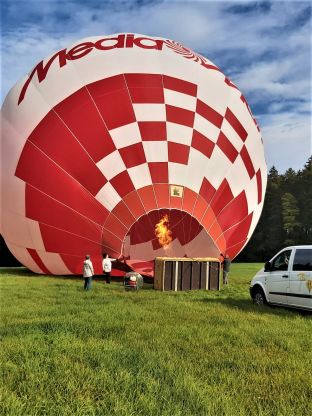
{"points": [[226, 263]]}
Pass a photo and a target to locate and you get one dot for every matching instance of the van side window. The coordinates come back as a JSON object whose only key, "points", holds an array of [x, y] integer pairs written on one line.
{"points": [[303, 260], [281, 261]]}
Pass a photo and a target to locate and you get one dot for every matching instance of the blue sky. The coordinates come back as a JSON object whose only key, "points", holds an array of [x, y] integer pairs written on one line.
{"points": [[263, 46]]}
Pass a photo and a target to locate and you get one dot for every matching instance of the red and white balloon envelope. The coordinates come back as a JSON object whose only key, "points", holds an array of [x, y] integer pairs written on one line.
{"points": [[130, 145]]}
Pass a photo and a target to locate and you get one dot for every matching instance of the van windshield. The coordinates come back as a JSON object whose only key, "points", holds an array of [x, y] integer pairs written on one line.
{"points": [[281, 261]]}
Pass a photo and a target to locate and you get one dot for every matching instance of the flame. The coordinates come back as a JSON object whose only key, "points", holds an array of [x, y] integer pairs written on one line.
{"points": [[162, 232]]}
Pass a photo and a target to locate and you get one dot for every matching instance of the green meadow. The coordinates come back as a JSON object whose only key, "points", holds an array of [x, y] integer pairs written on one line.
{"points": [[111, 352]]}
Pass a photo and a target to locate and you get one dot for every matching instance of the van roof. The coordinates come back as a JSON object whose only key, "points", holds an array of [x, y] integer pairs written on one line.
{"points": [[303, 246]]}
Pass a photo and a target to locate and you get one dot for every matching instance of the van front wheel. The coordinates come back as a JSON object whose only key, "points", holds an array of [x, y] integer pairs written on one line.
{"points": [[258, 297]]}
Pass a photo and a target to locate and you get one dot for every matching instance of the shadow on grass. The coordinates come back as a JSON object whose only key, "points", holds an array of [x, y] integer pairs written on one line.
{"points": [[24, 272], [98, 278], [246, 305], [243, 304]]}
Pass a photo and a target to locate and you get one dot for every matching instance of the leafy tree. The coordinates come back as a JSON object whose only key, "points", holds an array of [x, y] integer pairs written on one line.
{"points": [[267, 237], [305, 201], [290, 213], [272, 214], [273, 175], [286, 217]]}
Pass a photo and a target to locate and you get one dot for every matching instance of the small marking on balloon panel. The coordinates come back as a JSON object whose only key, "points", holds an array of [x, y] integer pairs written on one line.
{"points": [[176, 190]]}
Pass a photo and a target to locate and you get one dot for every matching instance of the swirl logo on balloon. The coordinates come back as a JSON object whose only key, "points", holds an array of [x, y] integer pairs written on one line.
{"points": [[186, 52], [128, 148]]}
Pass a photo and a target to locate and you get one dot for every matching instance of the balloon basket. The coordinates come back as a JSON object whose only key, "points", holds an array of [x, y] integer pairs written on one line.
{"points": [[187, 274]]}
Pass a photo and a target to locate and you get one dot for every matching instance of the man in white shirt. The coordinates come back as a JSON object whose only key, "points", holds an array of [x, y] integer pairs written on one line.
{"points": [[107, 267], [88, 272]]}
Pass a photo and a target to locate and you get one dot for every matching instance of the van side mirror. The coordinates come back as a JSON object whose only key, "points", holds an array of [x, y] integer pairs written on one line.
{"points": [[267, 266]]}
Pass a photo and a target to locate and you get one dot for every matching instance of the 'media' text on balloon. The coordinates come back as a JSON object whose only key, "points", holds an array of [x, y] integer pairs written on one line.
{"points": [[83, 49], [104, 44]]}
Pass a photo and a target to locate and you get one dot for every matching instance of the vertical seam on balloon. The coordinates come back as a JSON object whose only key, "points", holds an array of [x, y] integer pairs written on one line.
{"points": [[199, 220], [233, 225], [72, 133], [60, 167], [103, 233], [96, 107], [37, 259], [144, 152], [29, 230], [80, 214], [192, 214], [185, 241], [67, 173], [100, 115], [113, 214], [40, 150], [209, 204], [70, 232], [62, 203], [245, 241], [27, 139], [211, 200], [100, 244], [187, 174], [84, 149], [219, 213], [183, 230], [181, 209], [257, 208], [169, 201], [216, 217]]}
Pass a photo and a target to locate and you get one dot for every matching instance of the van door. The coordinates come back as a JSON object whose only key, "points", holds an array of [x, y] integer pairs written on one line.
{"points": [[300, 288], [278, 278]]}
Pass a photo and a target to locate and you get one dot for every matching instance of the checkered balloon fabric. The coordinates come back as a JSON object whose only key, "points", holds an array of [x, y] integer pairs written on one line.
{"points": [[113, 142]]}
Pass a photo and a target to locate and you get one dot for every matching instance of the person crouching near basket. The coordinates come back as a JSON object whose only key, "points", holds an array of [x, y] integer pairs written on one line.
{"points": [[107, 267], [88, 272]]}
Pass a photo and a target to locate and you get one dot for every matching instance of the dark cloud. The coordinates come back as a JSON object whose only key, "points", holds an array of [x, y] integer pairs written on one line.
{"points": [[249, 7]]}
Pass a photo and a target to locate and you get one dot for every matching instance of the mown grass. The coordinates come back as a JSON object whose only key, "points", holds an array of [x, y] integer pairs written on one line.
{"points": [[110, 352]]}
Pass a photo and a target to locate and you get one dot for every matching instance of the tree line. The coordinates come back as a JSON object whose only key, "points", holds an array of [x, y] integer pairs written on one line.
{"points": [[286, 217]]}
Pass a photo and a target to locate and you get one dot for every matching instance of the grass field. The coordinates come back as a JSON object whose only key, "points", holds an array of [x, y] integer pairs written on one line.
{"points": [[110, 352]]}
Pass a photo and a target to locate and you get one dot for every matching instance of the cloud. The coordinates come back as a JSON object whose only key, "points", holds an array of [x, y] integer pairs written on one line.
{"points": [[282, 133]]}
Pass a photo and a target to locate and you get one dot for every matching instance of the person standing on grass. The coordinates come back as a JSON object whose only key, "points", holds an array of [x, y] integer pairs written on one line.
{"points": [[226, 268], [107, 267], [88, 272]]}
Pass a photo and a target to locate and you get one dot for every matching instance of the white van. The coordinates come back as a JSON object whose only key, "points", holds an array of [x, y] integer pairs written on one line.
{"points": [[286, 279]]}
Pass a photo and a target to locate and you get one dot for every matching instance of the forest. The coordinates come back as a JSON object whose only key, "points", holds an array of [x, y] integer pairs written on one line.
{"points": [[286, 218]]}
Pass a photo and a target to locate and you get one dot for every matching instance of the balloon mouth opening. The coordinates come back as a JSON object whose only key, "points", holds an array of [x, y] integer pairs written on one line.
{"points": [[159, 232], [165, 233]]}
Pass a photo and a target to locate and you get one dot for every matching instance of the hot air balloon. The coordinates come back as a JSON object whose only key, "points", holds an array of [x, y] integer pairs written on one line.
{"points": [[131, 145]]}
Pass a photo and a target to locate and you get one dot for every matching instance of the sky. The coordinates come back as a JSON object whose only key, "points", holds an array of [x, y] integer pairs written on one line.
{"points": [[264, 47]]}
